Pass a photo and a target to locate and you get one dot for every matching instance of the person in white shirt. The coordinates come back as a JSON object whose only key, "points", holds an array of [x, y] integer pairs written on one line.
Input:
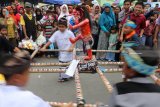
{"points": [[61, 38], [15, 69]]}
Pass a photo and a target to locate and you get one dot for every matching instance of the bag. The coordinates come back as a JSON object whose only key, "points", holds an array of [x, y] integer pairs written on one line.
{"points": [[41, 39]]}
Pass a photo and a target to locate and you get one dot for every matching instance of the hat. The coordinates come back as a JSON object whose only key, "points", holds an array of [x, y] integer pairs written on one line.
{"points": [[131, 24], [134, 60], [27, 4]]}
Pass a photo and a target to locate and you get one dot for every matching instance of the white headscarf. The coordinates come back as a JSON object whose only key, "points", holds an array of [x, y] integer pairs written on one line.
{"points": [[94, 7], [62, 14]]}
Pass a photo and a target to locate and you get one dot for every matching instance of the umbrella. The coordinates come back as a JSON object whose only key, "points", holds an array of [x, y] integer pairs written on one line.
{"points": [[62, 1]]}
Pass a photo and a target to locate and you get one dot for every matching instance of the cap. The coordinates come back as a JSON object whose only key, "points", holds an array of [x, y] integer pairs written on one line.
{"points": [[27, 4]]}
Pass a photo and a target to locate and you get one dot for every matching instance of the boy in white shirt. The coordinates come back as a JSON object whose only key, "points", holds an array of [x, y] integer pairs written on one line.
{"points": [[61, 38]]}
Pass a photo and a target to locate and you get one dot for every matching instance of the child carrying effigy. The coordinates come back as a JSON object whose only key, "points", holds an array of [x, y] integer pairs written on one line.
{"points": [[61, 38]]}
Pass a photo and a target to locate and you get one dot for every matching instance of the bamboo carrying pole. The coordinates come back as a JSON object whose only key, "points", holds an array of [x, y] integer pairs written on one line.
{"points": [[78, 50], [105, 80], [59, 104], [67, 64], [34, 53], [79, 94], [44, 70], [50, 70]]}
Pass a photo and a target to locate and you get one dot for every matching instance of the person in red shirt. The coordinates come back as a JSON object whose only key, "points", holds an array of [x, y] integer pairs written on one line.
{"points": [[138, 18], [150, 29]]}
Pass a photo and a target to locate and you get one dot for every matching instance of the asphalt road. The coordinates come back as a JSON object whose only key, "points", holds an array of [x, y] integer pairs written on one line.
{"points": [[46, 86]]}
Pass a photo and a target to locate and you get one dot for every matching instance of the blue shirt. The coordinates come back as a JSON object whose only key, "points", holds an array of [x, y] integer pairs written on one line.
{"points": [[12, 96]]}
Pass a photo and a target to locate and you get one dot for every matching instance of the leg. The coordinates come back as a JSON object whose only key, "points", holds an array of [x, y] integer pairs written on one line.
{"points": [[108, 56], [102, 45], [143, 40], [62, 76], [89, 52]]}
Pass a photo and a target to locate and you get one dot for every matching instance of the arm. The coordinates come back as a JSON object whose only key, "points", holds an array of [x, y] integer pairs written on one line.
{"points": [[156, 34], [16, 49], [25, 33], [101, 24], [141, 33], [46, 45], [71, 48], [80, 24], [104, 28], [51, 40], [121, 38], [143, 26]]}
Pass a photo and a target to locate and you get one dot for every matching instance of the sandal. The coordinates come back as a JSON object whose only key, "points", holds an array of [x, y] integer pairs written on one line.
{"points": [[63, 80]]}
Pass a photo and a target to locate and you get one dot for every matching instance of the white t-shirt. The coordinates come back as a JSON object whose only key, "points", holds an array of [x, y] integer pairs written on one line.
{"points": [[12, 96], [63, 43]]}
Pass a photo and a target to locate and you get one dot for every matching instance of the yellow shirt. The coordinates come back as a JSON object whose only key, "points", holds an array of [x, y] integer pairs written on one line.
{"points": [[2, 79], [11, 27], [22, 22]]}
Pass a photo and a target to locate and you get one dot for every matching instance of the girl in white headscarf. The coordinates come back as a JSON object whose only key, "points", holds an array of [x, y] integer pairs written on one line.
{"points": [[64, 11]]}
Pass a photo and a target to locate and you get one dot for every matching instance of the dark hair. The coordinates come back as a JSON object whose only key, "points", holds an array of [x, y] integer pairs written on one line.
{"points": [[51, 8], [153, 13], [84, 14], [48, 11], [3, 27], [2, 12], [38, 10], [14, 64], [128, 1], [114, 28], [40, 16], [118, 7], [140, 3], [63, 21], [148, 4]]}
